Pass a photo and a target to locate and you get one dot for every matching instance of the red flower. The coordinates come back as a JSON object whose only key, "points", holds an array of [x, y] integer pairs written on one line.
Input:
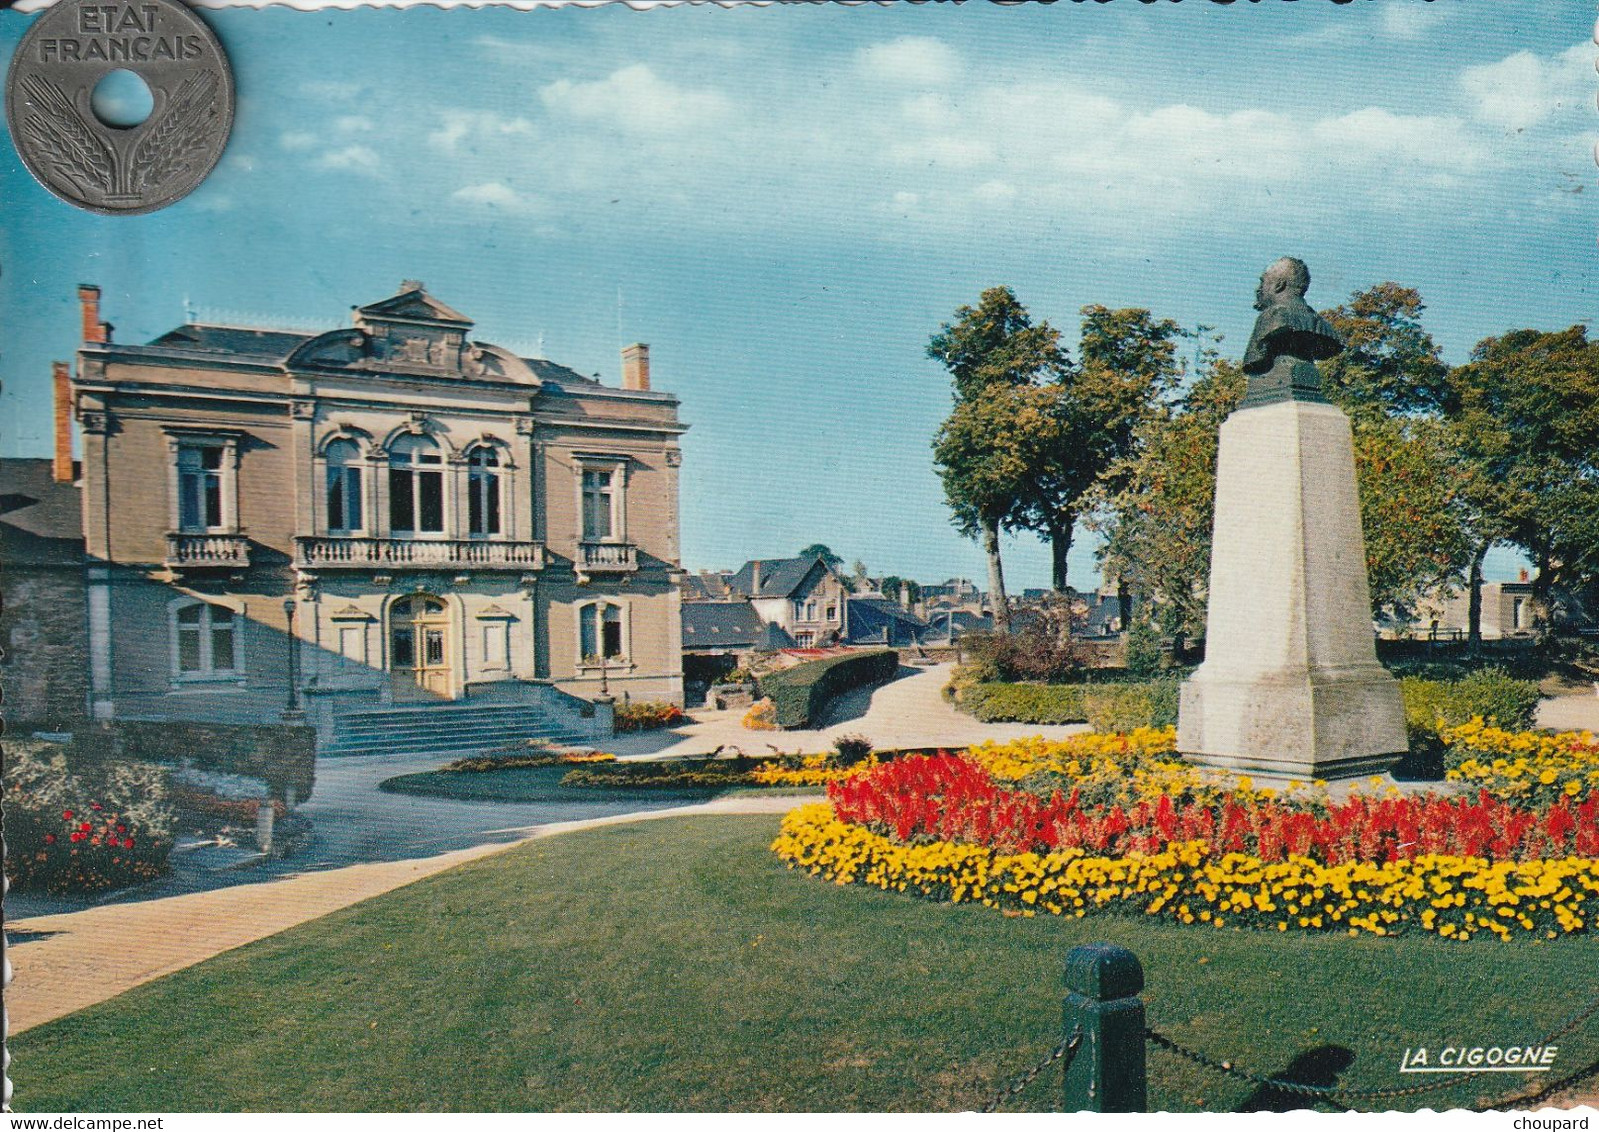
{"points": [[122, 829], [77, 836], [95, 806], [49, 839], [66, 815], [85, 827], [127, 843]]}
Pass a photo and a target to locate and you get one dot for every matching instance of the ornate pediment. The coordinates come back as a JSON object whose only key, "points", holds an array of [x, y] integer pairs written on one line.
{"points": [[412, 333]]}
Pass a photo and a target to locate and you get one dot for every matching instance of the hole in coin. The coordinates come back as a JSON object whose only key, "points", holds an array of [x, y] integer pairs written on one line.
{"points": [[121, 99]]}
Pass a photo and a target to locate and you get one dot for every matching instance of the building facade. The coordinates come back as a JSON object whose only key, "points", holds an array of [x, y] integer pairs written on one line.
{"points": [[385, 514]]}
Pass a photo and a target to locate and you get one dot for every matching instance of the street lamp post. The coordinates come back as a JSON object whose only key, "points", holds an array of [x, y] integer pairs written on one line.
{"points": [[292, 710]]}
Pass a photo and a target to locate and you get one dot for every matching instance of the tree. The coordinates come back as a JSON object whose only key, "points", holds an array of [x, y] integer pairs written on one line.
{"points": [[989, 448], [986, 452], [1390, 363], [1128, 364], [1157, 520], [825, 553], [1525, 416]]}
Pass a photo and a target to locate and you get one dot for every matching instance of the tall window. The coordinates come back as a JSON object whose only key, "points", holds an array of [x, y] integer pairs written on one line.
{"points": [[206, 641], [200, 487], [416, 487], [599, 503], [344, 486], [600, 631], [483, 492]]}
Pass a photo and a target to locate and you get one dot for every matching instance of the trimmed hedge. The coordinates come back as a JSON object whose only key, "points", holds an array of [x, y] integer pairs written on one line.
{"points": [[799, 694], [1024, 703], [1106, 707], [1490, 693]]}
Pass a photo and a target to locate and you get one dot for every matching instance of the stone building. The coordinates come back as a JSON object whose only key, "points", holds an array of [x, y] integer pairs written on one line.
{"points": [[385, 516], [43, 657]]}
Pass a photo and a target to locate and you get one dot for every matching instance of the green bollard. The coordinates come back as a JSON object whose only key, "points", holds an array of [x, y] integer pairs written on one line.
{"points": [[1107, 1074]]}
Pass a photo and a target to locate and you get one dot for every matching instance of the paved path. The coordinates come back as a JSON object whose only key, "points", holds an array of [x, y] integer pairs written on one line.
{"points": [[905, 713], [68, 961], [1578, 712]]}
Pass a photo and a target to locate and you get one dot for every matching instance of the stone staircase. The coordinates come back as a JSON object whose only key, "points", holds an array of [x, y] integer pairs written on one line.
{"points": [[452, 730]]}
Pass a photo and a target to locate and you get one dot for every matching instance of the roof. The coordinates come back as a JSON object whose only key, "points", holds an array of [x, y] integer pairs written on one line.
{"points": [[41, 520], [722, 625], [707, 586], [868, 617], [237, 340], [780, 577], [413, 304]]}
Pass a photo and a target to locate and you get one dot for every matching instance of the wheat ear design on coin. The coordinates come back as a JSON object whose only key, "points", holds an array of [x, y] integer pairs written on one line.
{"points": [[74, 151], [167, 149]]}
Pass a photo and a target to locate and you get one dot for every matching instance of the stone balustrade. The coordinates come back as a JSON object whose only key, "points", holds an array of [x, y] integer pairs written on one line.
{"points": [[334, 552], [192, 551]]}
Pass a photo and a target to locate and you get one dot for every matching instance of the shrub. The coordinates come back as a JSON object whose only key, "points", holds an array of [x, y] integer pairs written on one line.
{"points": [[1127, 707], [647, 715], [762, 716], [1026, 703], [734, 676], [1431, 705], [799, 694], [109, 826], [1042, 648], [514, 758], [1145, 657], [851, 749]]}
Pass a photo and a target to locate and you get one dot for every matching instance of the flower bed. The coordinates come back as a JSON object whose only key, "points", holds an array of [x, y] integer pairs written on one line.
{"points": [[83, 830], [647, 715], [511, 759], [1535, 767], [1103, 821]]}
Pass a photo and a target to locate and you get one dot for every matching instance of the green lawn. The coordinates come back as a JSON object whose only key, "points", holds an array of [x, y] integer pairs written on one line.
{"points": [[674, 965]]}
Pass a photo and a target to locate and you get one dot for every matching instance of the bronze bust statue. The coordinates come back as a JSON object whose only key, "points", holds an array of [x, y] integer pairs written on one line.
{"points": [[1289, 337]]}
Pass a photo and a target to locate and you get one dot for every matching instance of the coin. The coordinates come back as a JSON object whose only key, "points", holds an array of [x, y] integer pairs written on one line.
{"points": [[56, 122]]}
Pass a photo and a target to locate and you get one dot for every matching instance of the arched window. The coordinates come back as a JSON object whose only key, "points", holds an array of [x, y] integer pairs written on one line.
{"points": [[600, 635], [416, 486], [344, 487], [483, 491], [205, 641]]}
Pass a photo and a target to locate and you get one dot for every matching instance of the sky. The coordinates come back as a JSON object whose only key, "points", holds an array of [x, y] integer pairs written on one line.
{"points": [[786, 203]]}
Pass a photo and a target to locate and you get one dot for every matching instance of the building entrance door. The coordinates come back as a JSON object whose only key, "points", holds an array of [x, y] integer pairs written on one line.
{"points": [[419, 648]]}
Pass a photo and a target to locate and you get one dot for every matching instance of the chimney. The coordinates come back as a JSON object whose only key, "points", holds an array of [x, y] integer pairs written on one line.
{"points": [[61, 466], [93, 329], [636, 366], [755, 578]]}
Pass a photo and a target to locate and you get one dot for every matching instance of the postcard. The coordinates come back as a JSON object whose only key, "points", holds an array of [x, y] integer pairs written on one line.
{"points": [[817, 558]]}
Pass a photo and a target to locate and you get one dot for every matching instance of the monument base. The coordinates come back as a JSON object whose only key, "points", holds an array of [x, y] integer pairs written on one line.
{"points": [[1291, 684], [1327, 724]]}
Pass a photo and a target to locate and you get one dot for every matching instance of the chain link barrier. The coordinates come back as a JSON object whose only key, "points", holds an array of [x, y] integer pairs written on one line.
{"points": [[1067, 1049], [1345, 1094]]}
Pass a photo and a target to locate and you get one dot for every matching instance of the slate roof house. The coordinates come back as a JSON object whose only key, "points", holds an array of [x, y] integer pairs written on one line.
{"points": [[879, 620], [390, 515], [805, 597]]}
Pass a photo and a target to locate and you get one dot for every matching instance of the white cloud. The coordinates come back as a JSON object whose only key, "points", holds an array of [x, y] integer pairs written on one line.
{"points": [[353, 124], [636, 100], [477, 125], [913, 60], [352, 159], [494, 195], [1524, 90], [295, 140]]}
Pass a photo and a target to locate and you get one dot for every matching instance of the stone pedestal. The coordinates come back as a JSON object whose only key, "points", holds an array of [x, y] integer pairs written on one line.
{"points": [[1291, 684]]}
